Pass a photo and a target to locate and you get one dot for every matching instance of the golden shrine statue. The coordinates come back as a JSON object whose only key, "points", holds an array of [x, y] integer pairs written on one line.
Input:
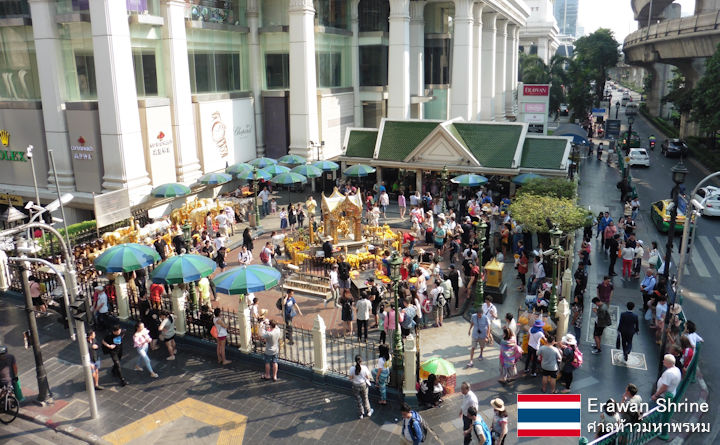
{"points": [[342, 214]]}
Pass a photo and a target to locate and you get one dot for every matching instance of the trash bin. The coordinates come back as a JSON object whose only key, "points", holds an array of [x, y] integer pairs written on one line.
{"points": [[251, 219]]}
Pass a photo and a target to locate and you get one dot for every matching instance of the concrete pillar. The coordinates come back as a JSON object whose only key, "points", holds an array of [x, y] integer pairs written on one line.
{"points": [[177, 77], [178, 297], [516, 66], [417, 52], [378, 175], [500, 68], [256, 72], [653, 98], [355, 49], [51, 77], [244, 334], [477, 60], [399, 60], [563, 315], [121, 294], [510, 73], [410, 364], [303, 85], [419, 180], [320, 364], [461, 89], [567, 282], [487, 80], [122, 145]]}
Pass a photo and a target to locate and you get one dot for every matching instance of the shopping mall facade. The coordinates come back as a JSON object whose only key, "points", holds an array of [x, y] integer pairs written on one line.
{"points": [[137, 93]]}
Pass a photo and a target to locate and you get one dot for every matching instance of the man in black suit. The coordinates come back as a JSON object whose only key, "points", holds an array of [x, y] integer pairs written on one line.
{"points": [[627, 328], [612, 244]]}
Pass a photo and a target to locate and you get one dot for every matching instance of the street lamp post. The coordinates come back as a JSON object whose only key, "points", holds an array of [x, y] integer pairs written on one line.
{"points": [[479, 285], [256, 193], [617, 109], [397, 363], [444, 177], [555, 236], [679, 172], [631, 121]]}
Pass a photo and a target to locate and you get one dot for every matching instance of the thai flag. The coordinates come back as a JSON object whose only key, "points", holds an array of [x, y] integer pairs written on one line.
{"points": [[548, 415]]}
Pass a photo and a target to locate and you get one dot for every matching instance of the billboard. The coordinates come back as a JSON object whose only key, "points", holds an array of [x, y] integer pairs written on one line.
{"points": [[534, 106]]}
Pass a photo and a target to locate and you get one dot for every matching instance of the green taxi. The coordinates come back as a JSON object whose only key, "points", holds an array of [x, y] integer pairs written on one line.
{"points": [[660, 215]]}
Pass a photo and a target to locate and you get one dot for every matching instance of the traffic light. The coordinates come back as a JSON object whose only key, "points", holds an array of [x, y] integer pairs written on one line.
{"points": [[79, 308]]}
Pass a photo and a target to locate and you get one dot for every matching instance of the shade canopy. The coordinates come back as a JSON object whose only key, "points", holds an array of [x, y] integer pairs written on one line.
{"points": [[326, 166], [246, 279], [170, 190], [358, 171], [262, 162], [525, 178], [275, 169], [438, 366], [289, 178], [238, 168], [126, 258], [307, 170], [292, 160], [183, 268], [250, 174], [575, 131], [215, 178], [469, 180]]}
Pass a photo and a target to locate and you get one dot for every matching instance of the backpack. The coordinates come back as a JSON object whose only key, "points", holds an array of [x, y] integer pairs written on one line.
{"points": [[264, 256], [441, 301], [278, 304], [485, 430], [409, 322], [603, 318], [423, 426], [577, 358]]}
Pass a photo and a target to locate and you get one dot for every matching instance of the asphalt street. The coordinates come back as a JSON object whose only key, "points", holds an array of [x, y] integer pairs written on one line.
{"points": [[700, 289]]}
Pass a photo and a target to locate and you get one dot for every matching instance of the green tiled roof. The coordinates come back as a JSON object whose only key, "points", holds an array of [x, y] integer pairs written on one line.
{"points": [[361, 144], [543, 153], [492, 145], [401, 138]]}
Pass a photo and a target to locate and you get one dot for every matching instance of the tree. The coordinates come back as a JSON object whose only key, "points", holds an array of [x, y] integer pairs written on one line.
{"points": [[553, 187], [534, 70], [706, 100], [680, 95], [579, 96], [533, 212], [597, 53]]}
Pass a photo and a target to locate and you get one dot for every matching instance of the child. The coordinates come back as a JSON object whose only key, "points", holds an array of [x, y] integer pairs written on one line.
{"points": [[273, 206], [283, 219]]}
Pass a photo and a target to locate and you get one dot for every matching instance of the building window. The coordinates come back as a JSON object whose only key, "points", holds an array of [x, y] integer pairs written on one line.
{"points": [[439, 18], [146, 78], [85, 66], [274, 12], [332, 13], [14, 8], [329, 70], [18, 64], [373, 15], [214, 72], [277, 71], [373, 65], [437, 61]]}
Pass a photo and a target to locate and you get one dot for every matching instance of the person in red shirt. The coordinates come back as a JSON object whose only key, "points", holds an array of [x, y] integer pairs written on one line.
{"points": [[156, 293], [408, 237]]}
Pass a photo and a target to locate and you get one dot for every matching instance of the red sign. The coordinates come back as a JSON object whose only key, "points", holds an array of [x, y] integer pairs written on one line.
{"points": [[536, 90]]}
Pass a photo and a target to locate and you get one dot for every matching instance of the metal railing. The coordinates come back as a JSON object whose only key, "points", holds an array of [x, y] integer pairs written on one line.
{"points": [[685, 25], [341, 352]]}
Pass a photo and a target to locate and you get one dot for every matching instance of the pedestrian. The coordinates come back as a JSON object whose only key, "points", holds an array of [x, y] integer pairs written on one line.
{"points": [[245, 256], [647, 288], [390, 324], [489, 309], [509, 355], [112, 344], [613, 246], [100, 308], [455, 283], [360, 377], [334, 285], [605, 290], [603, 321], [220, 258], [343, 273], [290, 310], [661, 308], [536, 335], [409, 318], [687, 353], [631, 404], [94, 359], [209, 223], [577, 309], [603, 221], [381, 373], [692, 335], [363, 308], [628, 255], [637, 260], [522, 268], [669, 380], [550, 358], [499, 429], [628, 326], [654, 259], [265, 197], [271, 334], [412, 426], [469, 400], [480, 334], [568, 347], [167, 333], [161, 247], [402, 204], [220, 326], [438, 302], [479, 432], [292, 218], [141, 340], [609, 233], [346, 313], [283, 219], [300, 215]]}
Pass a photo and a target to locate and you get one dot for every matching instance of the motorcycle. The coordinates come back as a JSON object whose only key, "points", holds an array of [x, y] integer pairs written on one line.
{"points": [[652, 145], [599, 152]]}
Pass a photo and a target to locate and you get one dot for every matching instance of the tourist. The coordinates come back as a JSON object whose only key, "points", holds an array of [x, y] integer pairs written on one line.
{"points": [[346, 314], [469, 400], [247, 239], [568, 346], [167, 333], [628, 326], [363, 308], [381, 373], [141, 340], [478, 432], [220, 326], [112, 344], [360, 377], [402, 204], [283, 219], [603, 321], [245, 256], [536, 335], [271, 334], [412, 431], [577, 309], [480, 334], [265, 198], [94, 359], [499, 429], [292, 218], [390, 324], [290, 310], [550, 357], [334, 285], [509, 355], [692, 335], [266, 254], [430, 392]]}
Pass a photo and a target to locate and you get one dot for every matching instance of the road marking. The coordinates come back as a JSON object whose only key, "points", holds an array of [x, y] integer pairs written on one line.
{"points": [[710, 251], [699, 265], [701, 299]]}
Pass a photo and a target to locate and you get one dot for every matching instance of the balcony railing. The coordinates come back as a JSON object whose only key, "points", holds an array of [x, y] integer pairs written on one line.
{"points": [[676, 27], [151, 7]]}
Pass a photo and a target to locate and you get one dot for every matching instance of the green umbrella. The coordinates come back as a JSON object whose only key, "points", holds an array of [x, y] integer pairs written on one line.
{"points": [[358, 171], [262, 162], [308, 171], [238, 168], [215, 178], [246, 279], [292, 160], [525, 178], [275, 169], [438, 366], [250, 174], [326, 166], [170, 190], [289, 178], [126, 258], [183, 268], [469, 180]]}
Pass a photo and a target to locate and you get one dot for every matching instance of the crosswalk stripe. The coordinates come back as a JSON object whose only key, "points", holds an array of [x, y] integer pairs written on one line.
{"points": [[699, 264], [710, 251]]}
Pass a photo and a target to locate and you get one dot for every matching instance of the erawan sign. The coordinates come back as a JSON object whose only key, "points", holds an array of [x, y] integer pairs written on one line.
{"points": [[536, 90], [534, 107]]}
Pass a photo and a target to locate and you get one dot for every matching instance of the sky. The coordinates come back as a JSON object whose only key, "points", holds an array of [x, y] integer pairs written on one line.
{"points": [[616, 15]]}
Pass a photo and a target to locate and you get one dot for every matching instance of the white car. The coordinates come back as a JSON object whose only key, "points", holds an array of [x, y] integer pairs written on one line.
{"points": [[639, 156], [709, 197]]}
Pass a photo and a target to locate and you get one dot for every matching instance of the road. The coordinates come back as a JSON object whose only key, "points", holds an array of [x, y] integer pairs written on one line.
{"points": [[22, 432], [701, 291]]}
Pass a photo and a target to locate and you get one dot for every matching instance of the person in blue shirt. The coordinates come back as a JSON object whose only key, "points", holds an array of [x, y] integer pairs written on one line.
{"points": [[290, 310], [602, 224], [411, 425], [647, 287]]}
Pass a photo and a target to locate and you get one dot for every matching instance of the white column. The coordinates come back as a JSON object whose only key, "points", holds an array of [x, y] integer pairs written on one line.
{"points": [[178, 297], [410, 364], [320, 364], [461, 89], [355, 60], [256, 73], [378, 176], [121, 295], [417, 51], [122, 145], [244, 329], [516, 65], [477, 60], [500, 67], [543, 50], [509, 62], [51, 77], [303, 84], [399, 60], [177, 76], [487, 80]]}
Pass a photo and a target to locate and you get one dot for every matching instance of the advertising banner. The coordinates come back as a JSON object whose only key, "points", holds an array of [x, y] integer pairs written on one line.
{"points": [[111, 207], [534, 106], [226, 132], [159, 144], [18, 129], [85, 149]]}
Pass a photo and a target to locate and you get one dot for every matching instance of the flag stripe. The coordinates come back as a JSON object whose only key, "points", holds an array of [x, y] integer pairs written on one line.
{"points": [[548, 426], [549, 405], [548, 398], [548, 415], [549, 433]]}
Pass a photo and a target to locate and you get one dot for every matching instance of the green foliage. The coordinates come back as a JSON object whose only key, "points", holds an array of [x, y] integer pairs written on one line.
{"points": [[533, 70], [597, 53], [680, 95], [533, 210], [553, 187], [579, 97], [706, 100]]}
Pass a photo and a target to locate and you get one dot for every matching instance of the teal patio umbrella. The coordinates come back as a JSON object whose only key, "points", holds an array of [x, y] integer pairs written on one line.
{"points": [[276, 169], [308, 171], [238, 168], [359, 171], [524, 178], [326, 166], [183, 268], [469, 180], [170, 190], [126, 258], [292, 160], [289, 178], [215, 178], [250, 174], [246, 279], [262, 162]]}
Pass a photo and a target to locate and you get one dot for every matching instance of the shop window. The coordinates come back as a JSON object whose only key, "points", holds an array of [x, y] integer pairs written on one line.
{"points": [[437, 61], [275, 12], [146, 77], [277, 71], [439, 18], [332, 13], [329, 70], [85, 66], [214, 72], [373, 15], [18, 64], [373, 65]]}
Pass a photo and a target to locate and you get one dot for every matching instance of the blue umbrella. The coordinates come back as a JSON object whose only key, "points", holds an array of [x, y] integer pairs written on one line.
{"points": [[215, 178], [358, 171], [126, 258], [276, 169], [250, 174], [183, 268], [326, 166], [469, 180], [262, 162], [238, 168], [246, 279], [308, 170], [524, 178], [170, 190], [289, 178], [292, 160]]}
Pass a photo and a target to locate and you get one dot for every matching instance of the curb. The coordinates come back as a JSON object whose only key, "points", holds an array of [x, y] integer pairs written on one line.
{"points": [[68, 430]]}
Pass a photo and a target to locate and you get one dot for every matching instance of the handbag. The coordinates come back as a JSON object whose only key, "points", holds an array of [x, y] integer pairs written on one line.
{"points": [[617, 341], [17, 390], [214, 332]]}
